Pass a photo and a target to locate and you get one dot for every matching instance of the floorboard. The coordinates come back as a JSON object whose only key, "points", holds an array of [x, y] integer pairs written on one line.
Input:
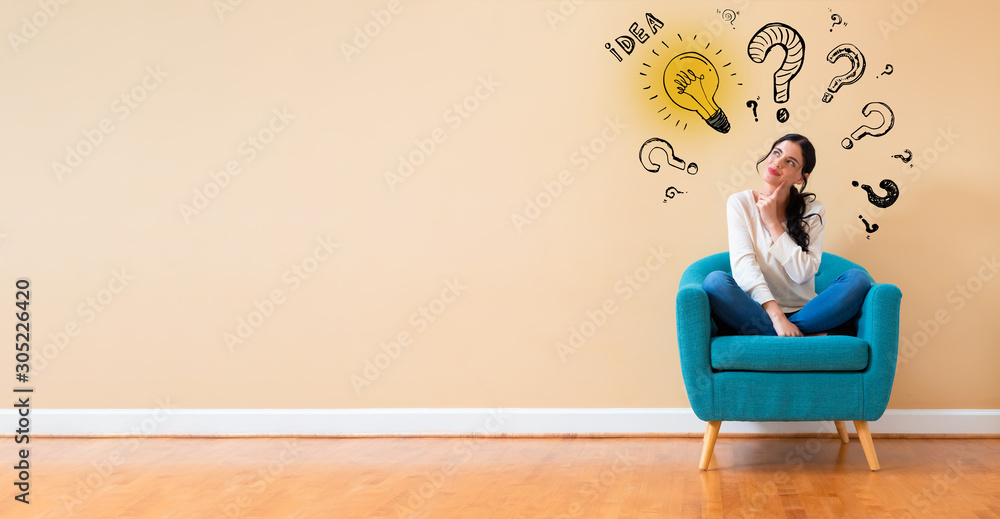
{"points": [[502, 478]]}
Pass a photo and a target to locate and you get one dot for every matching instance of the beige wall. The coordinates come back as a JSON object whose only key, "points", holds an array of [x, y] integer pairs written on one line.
{"points": [[171, 282]]}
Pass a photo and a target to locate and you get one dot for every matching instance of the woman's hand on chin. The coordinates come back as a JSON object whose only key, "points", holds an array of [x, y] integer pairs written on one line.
{"points": [[767, 206]]}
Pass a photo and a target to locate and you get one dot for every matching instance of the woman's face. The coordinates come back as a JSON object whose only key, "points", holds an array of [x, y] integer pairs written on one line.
{"points": [[784, 164]]}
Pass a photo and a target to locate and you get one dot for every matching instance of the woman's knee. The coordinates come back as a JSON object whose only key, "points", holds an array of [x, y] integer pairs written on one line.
{"points": [[857, 280], [857, 277], [717, 281]]}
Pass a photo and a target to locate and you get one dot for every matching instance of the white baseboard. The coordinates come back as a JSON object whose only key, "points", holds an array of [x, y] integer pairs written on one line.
{"points": [[458, 422]]}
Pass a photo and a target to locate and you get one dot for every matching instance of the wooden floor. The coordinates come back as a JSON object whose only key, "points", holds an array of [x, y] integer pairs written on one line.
{"points": [[163, 478]]}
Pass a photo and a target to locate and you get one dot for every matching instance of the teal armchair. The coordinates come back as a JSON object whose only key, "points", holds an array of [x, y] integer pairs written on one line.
{"points": [[761, 379]]}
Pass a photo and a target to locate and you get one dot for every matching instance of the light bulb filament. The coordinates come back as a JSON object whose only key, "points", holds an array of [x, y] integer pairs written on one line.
{"points": [[695, 83], [688, 78]]}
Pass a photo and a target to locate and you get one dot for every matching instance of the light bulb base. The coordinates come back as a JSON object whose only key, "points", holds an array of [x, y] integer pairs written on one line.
{"points": [[719, 121]]}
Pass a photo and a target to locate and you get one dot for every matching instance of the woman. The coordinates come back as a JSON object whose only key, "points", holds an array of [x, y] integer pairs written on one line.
{"points": [[775, 247]]}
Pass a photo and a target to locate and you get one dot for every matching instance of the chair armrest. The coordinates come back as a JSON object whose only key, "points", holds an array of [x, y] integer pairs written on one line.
{"points": [[693, 339], [878, 325]]}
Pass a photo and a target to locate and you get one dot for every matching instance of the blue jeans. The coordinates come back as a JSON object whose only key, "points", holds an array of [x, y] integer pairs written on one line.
{"points": [[829, 309]]}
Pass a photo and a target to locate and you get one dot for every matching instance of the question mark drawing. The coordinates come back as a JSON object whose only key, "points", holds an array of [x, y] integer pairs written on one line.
{"points": [[905, 158], [870, 228], [849, 51], [730, 16], [753, 104], [646, 159], [891, 193], [836, 21], [779, 35], [888, 71], [672, 192], [888, 119]]}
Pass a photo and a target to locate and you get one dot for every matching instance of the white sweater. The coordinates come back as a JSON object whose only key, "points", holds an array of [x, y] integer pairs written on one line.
{"points": [[781, 272]]}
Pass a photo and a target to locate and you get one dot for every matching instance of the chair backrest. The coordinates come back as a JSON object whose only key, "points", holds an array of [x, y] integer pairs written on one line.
{"points": [[830, 267]]}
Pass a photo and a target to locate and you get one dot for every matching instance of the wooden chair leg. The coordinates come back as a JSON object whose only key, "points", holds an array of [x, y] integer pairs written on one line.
{"points": [[865, 436], [711, 434], [842, 431]]}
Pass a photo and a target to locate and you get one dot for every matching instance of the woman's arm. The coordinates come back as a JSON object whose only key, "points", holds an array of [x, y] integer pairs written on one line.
{"points": [[742, 256], [746, 269], [801, 266], [782, 326]]}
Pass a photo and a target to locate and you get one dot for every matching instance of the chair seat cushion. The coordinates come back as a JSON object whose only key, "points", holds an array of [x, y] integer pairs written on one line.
{"points": [[764, 353]]}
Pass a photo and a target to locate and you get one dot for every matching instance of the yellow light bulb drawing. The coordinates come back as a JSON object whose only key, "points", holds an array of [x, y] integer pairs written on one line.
{"points": [[691, 82]]}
